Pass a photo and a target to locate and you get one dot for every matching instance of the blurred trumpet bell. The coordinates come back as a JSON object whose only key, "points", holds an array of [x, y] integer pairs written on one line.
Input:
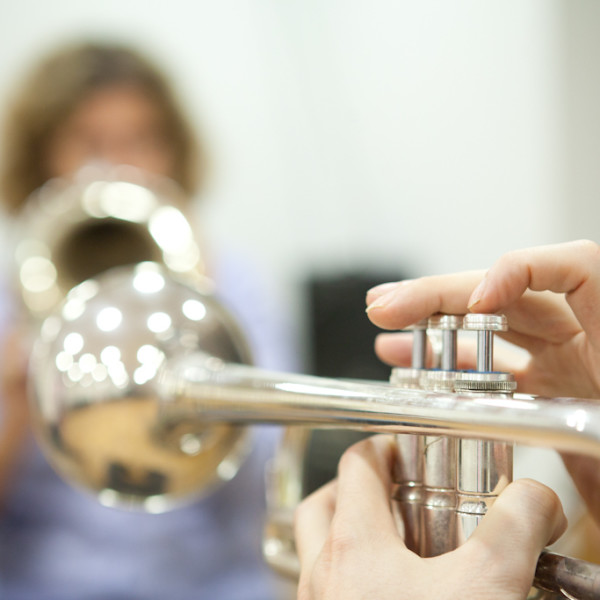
{"points": [[122, 231], [105, 216], [94, 369]]}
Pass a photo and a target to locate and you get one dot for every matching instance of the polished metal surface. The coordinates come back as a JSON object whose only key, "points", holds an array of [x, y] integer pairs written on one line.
{"points": [[408, 469], [484, 468], [217, 391], [94, 370], [484, 322], [485, 326], [103, 217], [438, 526], [419, 344], [408, 475], [488, 382], [447, 325], [566, 577]]}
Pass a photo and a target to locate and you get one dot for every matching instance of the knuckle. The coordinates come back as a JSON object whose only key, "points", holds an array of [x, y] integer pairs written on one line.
{"points": [[342, 541], [350, 456], [369, 449], [510, 258], [341, 545], [541, 498], [590, 249]]}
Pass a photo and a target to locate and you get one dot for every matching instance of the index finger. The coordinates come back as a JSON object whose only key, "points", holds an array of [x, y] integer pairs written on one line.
{"points": [[397, 306]]}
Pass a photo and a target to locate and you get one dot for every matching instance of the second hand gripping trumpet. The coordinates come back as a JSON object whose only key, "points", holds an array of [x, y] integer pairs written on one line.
{"points": [[445, 483]]}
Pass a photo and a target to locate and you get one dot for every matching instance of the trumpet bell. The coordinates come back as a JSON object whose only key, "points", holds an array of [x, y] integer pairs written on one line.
{"points": [[104, 217], [96, 409]]}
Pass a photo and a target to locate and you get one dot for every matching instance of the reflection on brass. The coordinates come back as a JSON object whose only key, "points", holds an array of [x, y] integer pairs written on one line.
{"points": [[114, 446], [103, 217], [97, 403]]}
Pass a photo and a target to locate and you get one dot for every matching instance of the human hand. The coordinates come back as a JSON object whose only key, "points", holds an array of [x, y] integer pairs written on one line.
{"points": [[550, 295], [349, 546]]}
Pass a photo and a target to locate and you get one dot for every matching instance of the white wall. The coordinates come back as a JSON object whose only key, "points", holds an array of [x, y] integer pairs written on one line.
{"points": [[411, 136], [581, 201]]}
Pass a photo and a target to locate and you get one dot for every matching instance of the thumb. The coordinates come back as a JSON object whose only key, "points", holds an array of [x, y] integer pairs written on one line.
{"points": [[526, 517]]}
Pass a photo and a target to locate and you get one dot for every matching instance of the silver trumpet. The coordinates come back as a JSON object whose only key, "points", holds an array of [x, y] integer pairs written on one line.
{"points": [[141, 388]]}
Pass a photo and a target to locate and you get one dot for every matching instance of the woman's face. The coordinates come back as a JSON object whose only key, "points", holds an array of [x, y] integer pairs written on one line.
{"points": [[117, 125]]}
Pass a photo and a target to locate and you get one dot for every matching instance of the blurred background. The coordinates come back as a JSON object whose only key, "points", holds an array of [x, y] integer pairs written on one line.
{"points": [[356, 141]]}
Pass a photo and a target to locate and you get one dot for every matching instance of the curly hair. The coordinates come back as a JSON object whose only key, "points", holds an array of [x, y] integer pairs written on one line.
{"points": [[54, 89]]}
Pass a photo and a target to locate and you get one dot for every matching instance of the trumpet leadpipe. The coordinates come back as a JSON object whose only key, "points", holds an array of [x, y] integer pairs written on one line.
{"points": [[205, 388]]}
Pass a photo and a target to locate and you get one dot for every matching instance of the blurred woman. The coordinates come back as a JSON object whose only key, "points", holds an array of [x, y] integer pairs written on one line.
{"points": [[103, 102]]}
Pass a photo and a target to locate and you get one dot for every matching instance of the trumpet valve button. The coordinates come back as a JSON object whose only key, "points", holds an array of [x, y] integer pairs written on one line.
{"points": [[474, 381], [446, 322], [447, 325], [484, 322], [485, 326]]}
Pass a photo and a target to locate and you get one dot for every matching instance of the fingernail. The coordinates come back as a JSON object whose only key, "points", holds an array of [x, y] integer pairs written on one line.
{"points": [[477, 294], [380, 302]]}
